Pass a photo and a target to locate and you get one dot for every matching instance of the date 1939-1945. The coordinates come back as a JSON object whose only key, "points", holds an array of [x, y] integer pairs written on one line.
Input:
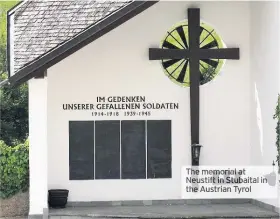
{"points": [[137, 113]]}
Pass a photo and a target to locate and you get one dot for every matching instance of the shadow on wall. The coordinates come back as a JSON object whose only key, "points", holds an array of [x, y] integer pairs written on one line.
{"points": [[263, 134], [264, 85], [264, 80], [257, 129]]}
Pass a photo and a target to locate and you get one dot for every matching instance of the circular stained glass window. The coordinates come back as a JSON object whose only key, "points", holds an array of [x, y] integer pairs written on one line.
{"points": [[178, 38]]}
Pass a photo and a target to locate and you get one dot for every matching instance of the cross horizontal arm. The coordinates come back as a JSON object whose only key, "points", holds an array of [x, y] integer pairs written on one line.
{"points": [[223, 53], [159, 54]]}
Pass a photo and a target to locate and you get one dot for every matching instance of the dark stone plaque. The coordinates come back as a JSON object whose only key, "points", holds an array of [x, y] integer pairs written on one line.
{"points": [[107, 150], [159, 149], [133, 148], [81, 150]]}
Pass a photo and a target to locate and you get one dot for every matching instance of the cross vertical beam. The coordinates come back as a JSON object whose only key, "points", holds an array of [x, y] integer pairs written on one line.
{"points": [[194, 36]]}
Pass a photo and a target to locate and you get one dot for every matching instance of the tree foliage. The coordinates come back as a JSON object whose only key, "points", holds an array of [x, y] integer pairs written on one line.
{"points": [[14, 101], [14, 169]]}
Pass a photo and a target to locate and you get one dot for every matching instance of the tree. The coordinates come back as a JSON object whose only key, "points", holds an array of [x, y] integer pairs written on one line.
{"points": [[277, 117], [13, 101]]}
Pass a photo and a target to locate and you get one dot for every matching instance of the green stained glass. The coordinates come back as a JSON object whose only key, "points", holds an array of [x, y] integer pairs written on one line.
{"points": [[177, 38]]}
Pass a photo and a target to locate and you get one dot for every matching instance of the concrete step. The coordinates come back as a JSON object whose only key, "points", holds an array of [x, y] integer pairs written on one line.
{"points": [[81, 217], [206, 211]]}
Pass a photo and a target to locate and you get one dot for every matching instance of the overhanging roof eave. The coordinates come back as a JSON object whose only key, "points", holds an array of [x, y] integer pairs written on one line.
{"points": [[79, 41]]}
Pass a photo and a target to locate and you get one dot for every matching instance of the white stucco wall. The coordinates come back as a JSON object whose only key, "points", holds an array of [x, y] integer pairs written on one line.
{"points": [[264, 82], [117, 64], [38, 145]]}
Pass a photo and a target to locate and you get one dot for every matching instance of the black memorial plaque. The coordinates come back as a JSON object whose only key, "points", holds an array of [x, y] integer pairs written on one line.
{"points": [[107, 150], [133, 149], [159, 149], [81, 150]]}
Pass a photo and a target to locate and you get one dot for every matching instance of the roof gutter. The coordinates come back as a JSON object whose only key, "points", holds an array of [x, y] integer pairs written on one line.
{"points": [[8, 45], [5, 82], [10, 12]]}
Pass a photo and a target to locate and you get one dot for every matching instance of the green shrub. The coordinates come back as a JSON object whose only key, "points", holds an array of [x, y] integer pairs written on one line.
{"points": [[277, 117], [14, 169]]}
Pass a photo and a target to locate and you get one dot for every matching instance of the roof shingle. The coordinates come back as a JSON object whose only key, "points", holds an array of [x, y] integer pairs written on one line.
{"points": [[41, 26]]}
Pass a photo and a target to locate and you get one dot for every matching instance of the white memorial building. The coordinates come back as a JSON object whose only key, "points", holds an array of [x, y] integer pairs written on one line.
{"points": [[111, 94]]}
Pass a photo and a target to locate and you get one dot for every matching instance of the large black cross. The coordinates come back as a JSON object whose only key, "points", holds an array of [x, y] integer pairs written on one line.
{"points": [[194, 54]]}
